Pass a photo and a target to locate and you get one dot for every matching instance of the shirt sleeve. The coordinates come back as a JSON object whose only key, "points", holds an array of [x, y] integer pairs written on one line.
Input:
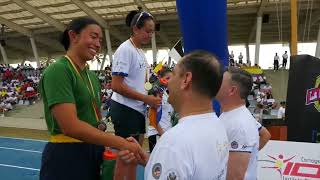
{"points": [[122, 61], [57, 85], [259, 126], [239, 141], [166, 163]]}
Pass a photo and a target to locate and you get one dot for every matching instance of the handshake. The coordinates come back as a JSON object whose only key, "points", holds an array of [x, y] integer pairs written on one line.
{"points": [[133, 154]]}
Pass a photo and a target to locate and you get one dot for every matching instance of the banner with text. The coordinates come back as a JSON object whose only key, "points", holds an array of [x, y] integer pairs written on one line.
{"points": [[284, 160]]}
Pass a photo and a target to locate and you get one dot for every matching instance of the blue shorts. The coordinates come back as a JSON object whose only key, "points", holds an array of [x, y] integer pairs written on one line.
{"points": [[66, 161]]}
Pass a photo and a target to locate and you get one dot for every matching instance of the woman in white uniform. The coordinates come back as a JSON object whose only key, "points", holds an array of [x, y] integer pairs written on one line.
{"points": [[129, 76]]}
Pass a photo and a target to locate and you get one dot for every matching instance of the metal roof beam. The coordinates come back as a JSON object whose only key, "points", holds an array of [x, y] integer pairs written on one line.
{"points": [[259, 14], [27, 32], [85, 8], [16, 27], [40, 14]]}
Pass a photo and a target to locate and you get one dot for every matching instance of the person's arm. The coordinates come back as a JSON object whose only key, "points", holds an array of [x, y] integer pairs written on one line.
{"points": [[264, 137], [241, 145], [66, 116], [237, 165], [159, 129], [120, 87]]}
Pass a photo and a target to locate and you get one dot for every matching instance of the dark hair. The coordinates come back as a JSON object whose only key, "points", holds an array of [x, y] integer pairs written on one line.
{"points": [[138, 19], [76, 25], [243, 79], [206, 72], [164, 71]]}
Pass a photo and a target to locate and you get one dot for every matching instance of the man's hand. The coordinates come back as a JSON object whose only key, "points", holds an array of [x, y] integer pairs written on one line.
{"points": [[130, 157], [133, 148]]}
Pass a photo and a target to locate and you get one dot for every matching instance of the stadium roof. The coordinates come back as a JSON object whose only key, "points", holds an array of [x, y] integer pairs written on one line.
{"points": [[46, 19]]}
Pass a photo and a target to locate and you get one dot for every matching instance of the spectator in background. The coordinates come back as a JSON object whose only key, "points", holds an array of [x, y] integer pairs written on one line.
{"points": [[240, 58], [282, 110], [165, 121], [276, 62], [231, 59], [258, 113], [284, 60]]}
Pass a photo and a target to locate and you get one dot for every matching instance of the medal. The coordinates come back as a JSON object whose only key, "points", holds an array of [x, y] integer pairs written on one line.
{"points": [[147, 86]]}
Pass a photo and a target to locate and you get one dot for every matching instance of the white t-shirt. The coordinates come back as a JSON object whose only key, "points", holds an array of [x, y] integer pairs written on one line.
{"points": [[276, 58], [131, 63], [196, 149], [281, 112], [231, 56], [243, 136], [240, 57], [285, 56], [165, 121]]}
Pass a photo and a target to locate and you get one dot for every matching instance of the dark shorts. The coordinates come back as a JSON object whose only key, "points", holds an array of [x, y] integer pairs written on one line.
{"points": [[66, 161], [127, 121]]}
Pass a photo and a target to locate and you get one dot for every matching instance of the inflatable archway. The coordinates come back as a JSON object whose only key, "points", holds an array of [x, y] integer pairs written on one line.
{"points": [[203, 25]]}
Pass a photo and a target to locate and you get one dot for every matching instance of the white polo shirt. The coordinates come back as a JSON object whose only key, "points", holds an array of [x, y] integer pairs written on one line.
{"points": [[243, 135], [281, 112], [165, 121], [130, 62], [285, 56], [196, 148]]}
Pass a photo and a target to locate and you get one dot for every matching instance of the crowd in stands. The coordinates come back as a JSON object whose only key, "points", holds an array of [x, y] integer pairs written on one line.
{"points": [[18, 85], [261, 93], [264, 104]]}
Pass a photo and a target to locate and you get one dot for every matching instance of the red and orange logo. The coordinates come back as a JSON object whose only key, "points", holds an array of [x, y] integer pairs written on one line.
{"points": [[287, 168]]}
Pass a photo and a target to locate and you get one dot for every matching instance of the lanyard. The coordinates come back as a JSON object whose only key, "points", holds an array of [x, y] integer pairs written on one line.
{"points": [[91, 92], [147, 69]]}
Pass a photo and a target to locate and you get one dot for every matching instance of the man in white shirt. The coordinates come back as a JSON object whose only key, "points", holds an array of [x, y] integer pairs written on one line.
{"points": [[197, 147], [282, 110], [240, 58], [276, 62], [284, 60], [231, 59], [240, 125]]}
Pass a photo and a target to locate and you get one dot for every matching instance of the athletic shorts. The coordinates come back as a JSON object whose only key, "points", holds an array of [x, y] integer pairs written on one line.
{"points": [[127, 121], [66, 161]]}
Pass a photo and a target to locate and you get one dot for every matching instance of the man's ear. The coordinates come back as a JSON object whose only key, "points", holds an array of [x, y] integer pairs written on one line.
{"points": [[233, 90], [187, 80]]}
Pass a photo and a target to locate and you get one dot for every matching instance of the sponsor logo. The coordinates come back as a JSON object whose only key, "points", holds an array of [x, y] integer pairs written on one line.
{"points": [[246, 146], [234, 145], [313, 95], [290, 170], [156, 170], [172, 174]]}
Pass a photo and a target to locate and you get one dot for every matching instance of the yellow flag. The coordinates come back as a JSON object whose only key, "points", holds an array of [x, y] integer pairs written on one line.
{"points": [[158, 67]]}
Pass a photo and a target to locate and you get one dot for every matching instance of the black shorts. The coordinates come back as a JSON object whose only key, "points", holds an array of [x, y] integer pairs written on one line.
{"points": [[65, 161], [127, 121]]}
